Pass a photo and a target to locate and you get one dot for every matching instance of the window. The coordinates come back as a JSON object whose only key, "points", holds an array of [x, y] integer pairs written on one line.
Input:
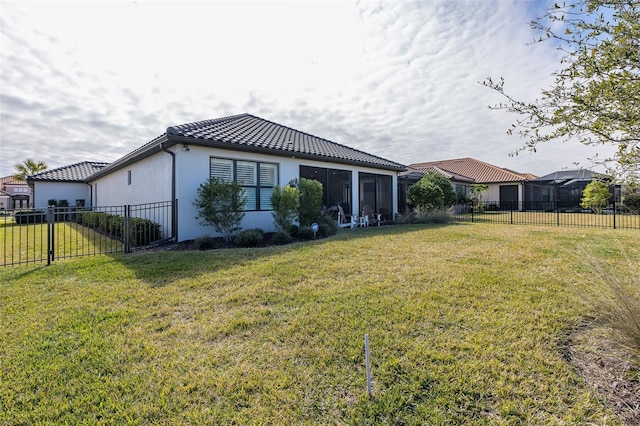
{"points": [[128, 177], [257, 179]]}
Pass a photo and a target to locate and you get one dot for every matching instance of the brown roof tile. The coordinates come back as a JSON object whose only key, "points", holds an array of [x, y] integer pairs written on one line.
{"points": [[477, 170]]}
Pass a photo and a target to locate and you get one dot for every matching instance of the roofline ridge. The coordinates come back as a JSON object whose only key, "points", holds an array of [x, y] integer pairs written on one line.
{"points": [[179, 128]]}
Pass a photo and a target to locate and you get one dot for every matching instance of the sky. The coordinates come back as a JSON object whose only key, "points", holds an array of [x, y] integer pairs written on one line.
{"points": [[92, 81]]}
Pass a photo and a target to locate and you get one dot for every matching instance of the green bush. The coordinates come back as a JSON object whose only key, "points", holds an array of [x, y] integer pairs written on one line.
{"points": [[143, 231], [427, 216], [24, 217], [204, 243], [305, 233], [220, 205], [281, 238], [310, 199], [285, 201], [632, 201], [328, 226], [249, 238]]}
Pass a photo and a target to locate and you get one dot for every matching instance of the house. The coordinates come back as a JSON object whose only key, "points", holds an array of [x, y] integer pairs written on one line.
{"points": [[562, 189], [505, 187], [14, 194], [258, 154], [64, 183], [461, 184]]}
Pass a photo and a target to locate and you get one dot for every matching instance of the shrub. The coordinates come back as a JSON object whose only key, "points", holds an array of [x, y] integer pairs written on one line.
{"points": [[310, 199], [281, 238], [427, 216], [143, 231], [328, 226], [617, 298], [305, 233], [285, 201], [204, 243], [24, 217], [220, 205], [632, 201], [249, 238], [596, 196], [425, 195]]}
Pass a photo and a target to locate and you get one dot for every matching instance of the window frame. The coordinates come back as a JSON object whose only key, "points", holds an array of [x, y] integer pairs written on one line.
{"points": [[259, 186]]}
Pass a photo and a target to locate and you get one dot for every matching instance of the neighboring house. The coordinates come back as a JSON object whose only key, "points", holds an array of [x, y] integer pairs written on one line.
{"points": [[255, 152], [461, 184], [562, 189], [505, 186], [14, 194], [64, 183]]}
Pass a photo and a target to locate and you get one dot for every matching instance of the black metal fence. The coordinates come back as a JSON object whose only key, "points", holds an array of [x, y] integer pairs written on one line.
{"points": [[615, 216], [44, 235]]}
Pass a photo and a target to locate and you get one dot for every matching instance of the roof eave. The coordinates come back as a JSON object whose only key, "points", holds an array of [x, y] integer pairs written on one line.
{"points": [[213, 143]]}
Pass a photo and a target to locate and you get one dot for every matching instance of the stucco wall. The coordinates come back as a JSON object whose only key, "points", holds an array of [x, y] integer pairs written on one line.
{"points": [[151, 182], [70, 191]]}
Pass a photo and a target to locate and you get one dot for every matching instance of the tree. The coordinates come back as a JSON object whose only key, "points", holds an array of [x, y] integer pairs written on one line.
{"points": [[28, 167], [310, 200], [477, 191], [595, 98], [285, 201], [596, 195], [449, 196], [425, 195], [220, 205]]}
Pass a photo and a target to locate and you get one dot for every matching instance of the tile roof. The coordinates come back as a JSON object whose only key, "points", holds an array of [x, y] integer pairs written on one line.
{"points": [[253, 133], [563, 176], [477, 170], [77, 172], [10, 180]]}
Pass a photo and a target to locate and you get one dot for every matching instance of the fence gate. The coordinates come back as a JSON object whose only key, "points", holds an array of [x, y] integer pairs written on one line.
{"points": [[45, 235]]}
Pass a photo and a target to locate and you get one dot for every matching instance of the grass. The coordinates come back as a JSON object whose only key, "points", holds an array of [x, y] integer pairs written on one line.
{"points": [[622, 221], [467, 324], [28, 243]]}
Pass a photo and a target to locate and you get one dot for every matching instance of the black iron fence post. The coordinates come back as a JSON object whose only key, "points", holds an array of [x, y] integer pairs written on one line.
{"points": [[127, 228], [511, 212], [558, 212], [51, 221], [614, 213], [472, 209]]}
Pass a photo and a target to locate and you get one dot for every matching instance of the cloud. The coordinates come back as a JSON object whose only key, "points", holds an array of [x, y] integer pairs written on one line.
{"points": [[400, 80]]}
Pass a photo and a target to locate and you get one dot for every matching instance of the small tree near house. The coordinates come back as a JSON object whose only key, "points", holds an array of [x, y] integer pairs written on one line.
{"points": [[595, 196], [285, 201], [220, 205]]}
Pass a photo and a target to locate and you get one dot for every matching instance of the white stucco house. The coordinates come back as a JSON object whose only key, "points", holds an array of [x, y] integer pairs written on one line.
{"points": [[258, 154], [64, 183]]}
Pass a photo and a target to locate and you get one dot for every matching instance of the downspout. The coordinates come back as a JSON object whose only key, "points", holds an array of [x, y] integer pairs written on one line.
{"points": [[174, 218], [90, 194]]}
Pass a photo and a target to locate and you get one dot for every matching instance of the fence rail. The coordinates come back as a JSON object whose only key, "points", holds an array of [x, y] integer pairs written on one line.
{"points": [[45, 235], [614, 216]]}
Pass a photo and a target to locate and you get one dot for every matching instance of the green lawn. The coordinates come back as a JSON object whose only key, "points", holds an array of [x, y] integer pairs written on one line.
{"points": [[28, 243], [467, 324]]}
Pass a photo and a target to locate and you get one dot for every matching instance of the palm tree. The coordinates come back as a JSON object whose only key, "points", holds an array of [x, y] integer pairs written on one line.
{"points": [[29, 167]]}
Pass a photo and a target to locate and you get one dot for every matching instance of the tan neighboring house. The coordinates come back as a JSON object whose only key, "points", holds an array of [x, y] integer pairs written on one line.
{"points": [[15, 194], [504, 186]]}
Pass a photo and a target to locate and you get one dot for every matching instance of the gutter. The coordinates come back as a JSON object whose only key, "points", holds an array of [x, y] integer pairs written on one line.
{"points": [[174, 218]]}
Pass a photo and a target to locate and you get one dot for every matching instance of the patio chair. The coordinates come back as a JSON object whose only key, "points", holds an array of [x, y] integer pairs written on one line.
{"points": [[346, 220], [367, 216]]}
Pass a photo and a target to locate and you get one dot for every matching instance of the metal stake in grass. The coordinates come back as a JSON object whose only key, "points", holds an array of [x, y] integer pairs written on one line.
{"points": [[368, 362]]}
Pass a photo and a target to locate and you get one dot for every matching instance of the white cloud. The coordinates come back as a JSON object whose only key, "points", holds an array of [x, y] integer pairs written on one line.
{"points": [[93, 81]]}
